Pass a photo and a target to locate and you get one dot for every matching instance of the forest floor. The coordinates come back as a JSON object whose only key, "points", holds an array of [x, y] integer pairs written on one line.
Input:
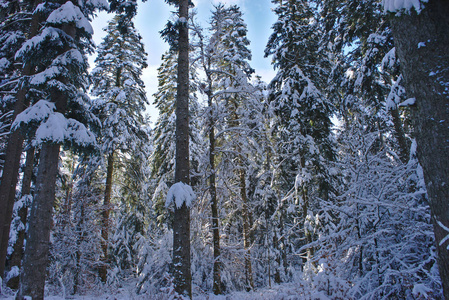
{"points": [[277, 292]]}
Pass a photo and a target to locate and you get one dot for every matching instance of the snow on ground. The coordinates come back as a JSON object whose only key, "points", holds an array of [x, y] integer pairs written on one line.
{"points": [[277, 292]]}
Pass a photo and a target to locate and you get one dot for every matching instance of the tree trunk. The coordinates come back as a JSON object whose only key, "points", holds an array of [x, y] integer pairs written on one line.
{"points": [[246, 230], [32, 277], [81, 236], [422, 43], [17, 254], [214, 200], [105, 218], [400, 135], [12, 158], [181, 224]]}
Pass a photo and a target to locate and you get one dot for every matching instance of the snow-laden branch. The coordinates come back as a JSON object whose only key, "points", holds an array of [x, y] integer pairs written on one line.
{"points": [[180, 193], [69, 13]]}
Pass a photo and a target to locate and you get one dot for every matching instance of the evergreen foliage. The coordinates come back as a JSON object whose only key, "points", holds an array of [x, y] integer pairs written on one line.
{"points": [[307, 187]]}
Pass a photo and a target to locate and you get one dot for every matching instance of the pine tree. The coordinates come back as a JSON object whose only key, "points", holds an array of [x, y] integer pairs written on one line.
{"points": [[233, 130], [302, 117], [15, 30], [59, 50], [181, 224], [18, 225], [134, 210], [116, 80], [162, 159]]}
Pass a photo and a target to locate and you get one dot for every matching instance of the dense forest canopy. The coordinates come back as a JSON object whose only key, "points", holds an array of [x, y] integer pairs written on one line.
{"points": [[328, 181]]}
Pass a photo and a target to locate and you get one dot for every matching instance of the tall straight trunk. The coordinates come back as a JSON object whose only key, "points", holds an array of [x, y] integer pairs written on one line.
{"points": [[12, 158], [181, 224], [105, 217], [32, 277], [214, 200], [246, 230], [422, 43], [17, 254]]}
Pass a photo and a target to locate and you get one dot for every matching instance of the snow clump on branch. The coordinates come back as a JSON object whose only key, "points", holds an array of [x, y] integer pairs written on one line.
{"points": [[407, 5], [180, 193]]}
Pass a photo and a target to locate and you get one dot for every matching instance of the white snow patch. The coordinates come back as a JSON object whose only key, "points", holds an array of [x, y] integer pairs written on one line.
{"points": [[182, 20], [52, 129], [68, 13], [400, 5], [58, 129], [38, 112], [408, 102], [14, 272], [180, 193], [420, 290], [50, 34], [389, 59], [4, 63]]}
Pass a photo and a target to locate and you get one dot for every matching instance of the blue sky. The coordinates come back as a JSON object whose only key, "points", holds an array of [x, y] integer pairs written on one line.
{"points": [[153, 15]]}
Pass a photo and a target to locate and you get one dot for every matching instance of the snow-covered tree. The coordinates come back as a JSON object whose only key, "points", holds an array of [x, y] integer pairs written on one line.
{"points": [[301, 127], [17, 23], [59, 50], [134, 211], [181, 225], [162, 159], [116, 81], [233, 129], [421, 40]]}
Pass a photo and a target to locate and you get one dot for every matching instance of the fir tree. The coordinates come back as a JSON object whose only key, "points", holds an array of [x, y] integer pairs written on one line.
{"points": [[116, 80], [16, 28], [59, 50], [302, 115]]}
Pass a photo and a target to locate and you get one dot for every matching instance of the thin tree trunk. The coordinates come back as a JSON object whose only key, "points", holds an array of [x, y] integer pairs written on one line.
{"points": [[181, 224], [105, 218], [12, 159], [214, 200], [81, 237], [246, 230], [17, 254], [422, 43]]}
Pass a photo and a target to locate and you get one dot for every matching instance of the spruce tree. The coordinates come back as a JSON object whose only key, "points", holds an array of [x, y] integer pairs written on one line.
{"points": [[16, 28], [181, 224], [59, 50], [302, 116], [116, 81]]}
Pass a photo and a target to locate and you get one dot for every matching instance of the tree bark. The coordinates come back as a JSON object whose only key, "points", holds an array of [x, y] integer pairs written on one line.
{"points": [[213, 196], [181, 224], [422, 43], [12, 158], [17, 254], [246, 230], [105, 218], [32, 277], [400, 136]]}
